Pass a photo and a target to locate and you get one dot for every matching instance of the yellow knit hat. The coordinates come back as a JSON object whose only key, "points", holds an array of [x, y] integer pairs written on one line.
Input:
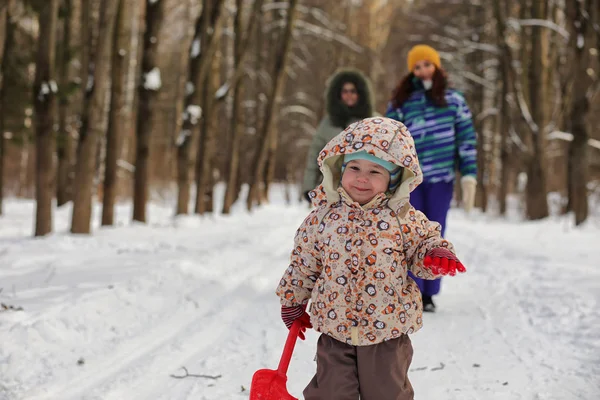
{"points": [[423, 52]]}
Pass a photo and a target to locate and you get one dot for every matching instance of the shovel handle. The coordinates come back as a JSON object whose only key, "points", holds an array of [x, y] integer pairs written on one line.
{"points": [[288, 349]]}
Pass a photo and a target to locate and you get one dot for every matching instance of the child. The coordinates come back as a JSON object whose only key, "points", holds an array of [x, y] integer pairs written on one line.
{"points": [[351, 257]]}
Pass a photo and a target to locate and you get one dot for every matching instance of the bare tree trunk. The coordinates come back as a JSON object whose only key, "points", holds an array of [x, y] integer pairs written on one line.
{"points": [[503, 127], [553, 101], [3, 36], [581, 19], [273, 137], [191, 116], [271, 164], [240, 51], [199, 204], [3, 50], [475, 60], [276, 88], [2, 145], [70, 104], [121, 107], [234, 150], [202, 50], [578, 159], [351, 31], [504, 114], [537, 206], [524, 45], [537, 203], [63, 137], [86, 162], [148, 96], [45, 90], [204, 179], [87, 78], [133, 77], [204, 157]]}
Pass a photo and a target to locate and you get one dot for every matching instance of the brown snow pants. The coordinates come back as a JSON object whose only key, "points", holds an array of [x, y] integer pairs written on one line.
{"points": [[377, 372]]}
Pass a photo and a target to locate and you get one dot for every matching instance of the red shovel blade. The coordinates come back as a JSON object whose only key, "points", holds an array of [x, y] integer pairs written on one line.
{"points": [[269, 384]]}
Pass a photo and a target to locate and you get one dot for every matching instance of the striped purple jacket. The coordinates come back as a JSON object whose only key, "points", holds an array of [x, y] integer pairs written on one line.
{"points": [[444, 136]]}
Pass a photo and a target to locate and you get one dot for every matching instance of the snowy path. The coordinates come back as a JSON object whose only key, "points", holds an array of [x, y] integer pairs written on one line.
{"points": [[135, 303]]}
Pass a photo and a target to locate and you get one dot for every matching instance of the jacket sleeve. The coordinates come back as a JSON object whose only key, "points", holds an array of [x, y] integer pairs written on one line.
{"points": [[311, 172], [420, 236], [305, 267], [466, 138], [394, 113]]}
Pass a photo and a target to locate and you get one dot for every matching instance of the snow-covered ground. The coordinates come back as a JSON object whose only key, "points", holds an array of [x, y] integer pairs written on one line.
{"points": [[114, 315]]}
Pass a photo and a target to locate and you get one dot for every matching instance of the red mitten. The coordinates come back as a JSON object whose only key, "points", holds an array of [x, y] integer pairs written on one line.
{"points": [[290, 314], [441, 261]]}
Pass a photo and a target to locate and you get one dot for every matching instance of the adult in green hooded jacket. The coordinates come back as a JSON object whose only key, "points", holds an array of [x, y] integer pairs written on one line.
{"points": [[348, 99]]}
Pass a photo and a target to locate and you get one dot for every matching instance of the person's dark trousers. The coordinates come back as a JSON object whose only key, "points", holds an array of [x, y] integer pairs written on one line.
{"points": [[376, 372], [433, 200]]}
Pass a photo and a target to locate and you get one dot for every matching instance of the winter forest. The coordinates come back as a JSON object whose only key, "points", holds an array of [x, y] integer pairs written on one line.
{"points": [[108, 100], [152, 154]]}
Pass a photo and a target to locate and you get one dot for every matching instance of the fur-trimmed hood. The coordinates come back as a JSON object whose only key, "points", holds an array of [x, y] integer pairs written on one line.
{"points": [[339, 113], [382, 137]]}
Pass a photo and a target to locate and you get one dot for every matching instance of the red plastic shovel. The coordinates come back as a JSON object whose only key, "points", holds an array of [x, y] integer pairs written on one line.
{"points": [[269, 384]]}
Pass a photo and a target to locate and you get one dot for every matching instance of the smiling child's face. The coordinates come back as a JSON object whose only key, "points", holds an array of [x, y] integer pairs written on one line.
{"points": [[363, 180]]}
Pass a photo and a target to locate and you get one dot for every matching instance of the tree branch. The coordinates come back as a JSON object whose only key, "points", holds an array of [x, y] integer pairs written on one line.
{"points": [[518, 23], [188, 375], [568, 137]]}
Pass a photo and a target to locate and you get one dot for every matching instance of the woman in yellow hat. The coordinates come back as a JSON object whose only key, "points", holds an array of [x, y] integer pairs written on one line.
{"points": [[440, 122]]}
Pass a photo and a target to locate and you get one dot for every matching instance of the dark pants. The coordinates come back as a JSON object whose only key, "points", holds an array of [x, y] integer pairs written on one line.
{"points": [[433, 200], [376, 372]]}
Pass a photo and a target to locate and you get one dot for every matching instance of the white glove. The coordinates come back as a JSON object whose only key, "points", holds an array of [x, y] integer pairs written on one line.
{"points": [[469, 185]]}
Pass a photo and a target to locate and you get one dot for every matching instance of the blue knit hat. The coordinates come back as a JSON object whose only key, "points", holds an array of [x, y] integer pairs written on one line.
{"points": [[394, 170]]}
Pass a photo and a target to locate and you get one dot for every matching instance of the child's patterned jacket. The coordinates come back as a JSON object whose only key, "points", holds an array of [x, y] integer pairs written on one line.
{"points": [[352, 260]]}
